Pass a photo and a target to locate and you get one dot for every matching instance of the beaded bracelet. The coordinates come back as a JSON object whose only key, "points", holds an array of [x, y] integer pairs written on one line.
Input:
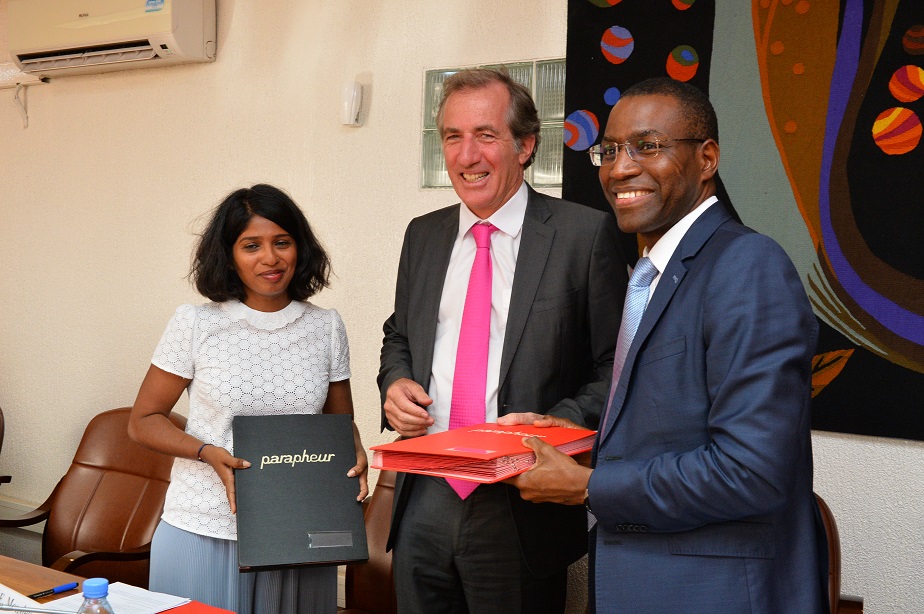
{"points": [[199, 452]]}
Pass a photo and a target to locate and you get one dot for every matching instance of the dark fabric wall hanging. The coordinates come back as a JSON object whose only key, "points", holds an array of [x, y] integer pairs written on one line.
{"points": [[841, 85]]}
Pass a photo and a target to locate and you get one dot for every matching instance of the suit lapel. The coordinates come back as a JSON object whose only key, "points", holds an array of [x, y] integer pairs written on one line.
{"points": [[435, 252], [671, 278], [535, 246]]}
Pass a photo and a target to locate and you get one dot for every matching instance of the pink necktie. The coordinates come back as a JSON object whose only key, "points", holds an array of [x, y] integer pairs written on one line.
{"points": [[470, 377]]}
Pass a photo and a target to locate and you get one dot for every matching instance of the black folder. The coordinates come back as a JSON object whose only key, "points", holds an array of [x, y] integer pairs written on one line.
{"points": [[295, 504]]}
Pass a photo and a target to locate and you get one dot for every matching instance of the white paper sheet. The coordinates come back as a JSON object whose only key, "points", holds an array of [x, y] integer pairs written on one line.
{"points": [[125, 599]]}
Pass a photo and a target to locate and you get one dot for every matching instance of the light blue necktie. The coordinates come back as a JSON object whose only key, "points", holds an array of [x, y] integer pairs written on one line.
{"points": [[632, 311]]}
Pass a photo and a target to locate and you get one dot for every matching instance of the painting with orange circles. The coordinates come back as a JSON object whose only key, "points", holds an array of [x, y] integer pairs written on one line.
{"points": [[820, 104]]}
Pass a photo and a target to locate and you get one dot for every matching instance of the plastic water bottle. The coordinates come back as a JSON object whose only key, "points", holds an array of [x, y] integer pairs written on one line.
{"points": [[94, 597]]}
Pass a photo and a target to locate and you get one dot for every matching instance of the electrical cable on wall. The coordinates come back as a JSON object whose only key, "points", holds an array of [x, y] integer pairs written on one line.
{"points": [[11, 76]]}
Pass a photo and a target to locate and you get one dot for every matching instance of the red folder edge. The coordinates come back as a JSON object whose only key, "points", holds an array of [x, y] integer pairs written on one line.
{"points": [[197, 607], [484, 453]]}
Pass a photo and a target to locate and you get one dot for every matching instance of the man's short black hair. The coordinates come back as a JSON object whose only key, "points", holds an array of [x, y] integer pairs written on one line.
{"points": [[700, 114]]}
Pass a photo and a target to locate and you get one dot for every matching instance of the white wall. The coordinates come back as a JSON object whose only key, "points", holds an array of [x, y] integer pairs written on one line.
{"points": [[102, 192]]}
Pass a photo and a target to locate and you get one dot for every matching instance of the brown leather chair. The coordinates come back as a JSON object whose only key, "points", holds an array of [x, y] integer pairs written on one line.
{"points": [[840, 604], [369, 585], [101, 516]]}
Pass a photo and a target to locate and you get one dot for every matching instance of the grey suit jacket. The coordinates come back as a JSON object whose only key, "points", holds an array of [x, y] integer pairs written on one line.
{"points": [[703, 481], [565, 309]]}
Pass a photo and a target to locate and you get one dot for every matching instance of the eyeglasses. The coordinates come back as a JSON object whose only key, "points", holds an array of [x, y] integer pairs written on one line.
{"points": [[643, 149]]}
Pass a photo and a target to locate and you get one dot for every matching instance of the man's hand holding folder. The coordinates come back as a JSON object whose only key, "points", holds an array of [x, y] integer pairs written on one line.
{"points": [[563, 478], [484, 453]]}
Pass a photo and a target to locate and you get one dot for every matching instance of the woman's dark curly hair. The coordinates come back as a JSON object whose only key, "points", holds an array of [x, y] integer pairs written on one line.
{"points": [[212, 270]]}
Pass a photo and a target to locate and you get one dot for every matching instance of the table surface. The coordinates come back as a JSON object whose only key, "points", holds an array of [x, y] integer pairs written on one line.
{"points": [[28, 578]]}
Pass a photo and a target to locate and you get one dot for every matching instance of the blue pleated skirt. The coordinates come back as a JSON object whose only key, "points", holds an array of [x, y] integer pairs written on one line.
{"points": [[205, 569]]}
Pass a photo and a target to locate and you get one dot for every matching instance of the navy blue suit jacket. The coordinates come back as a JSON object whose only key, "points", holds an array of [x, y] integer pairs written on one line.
{"points": [[702, 486]]}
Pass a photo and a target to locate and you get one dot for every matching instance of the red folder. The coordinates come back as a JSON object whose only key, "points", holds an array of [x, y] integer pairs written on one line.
{"points": [[197, 607], [485, 453]]}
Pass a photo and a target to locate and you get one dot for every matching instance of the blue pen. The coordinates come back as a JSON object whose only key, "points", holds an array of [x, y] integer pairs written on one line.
{"points": [[54, 591]]}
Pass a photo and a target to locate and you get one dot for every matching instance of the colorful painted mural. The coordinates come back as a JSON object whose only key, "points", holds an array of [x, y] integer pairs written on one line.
{"points": [[840, 90]]}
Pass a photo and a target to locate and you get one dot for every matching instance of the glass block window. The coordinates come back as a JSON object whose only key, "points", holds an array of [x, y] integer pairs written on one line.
{"points": [[545, 79]]}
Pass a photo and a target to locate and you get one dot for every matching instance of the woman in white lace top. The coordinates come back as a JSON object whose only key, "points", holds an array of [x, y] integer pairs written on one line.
{"points": [[259, 348]]}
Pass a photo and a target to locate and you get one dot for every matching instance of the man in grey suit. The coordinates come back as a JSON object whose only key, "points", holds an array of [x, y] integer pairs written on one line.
{"points": [[702, 484], [556, 295]]}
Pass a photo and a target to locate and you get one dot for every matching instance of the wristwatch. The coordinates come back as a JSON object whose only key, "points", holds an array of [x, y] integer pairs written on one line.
{"points": [[587, 500]]}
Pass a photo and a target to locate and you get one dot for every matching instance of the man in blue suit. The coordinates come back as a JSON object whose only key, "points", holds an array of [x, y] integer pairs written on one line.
{"points": [[702, 473]]}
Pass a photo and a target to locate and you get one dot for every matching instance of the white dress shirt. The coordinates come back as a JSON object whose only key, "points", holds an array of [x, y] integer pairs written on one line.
{"points": [[505, 245], [662, 251]]}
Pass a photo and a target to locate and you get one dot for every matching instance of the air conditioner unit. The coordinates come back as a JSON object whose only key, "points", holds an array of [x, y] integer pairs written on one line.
{"points": [[53, 38]]}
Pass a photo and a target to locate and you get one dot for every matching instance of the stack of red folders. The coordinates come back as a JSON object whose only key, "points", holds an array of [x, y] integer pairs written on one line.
{"points": [[485, 453]]}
